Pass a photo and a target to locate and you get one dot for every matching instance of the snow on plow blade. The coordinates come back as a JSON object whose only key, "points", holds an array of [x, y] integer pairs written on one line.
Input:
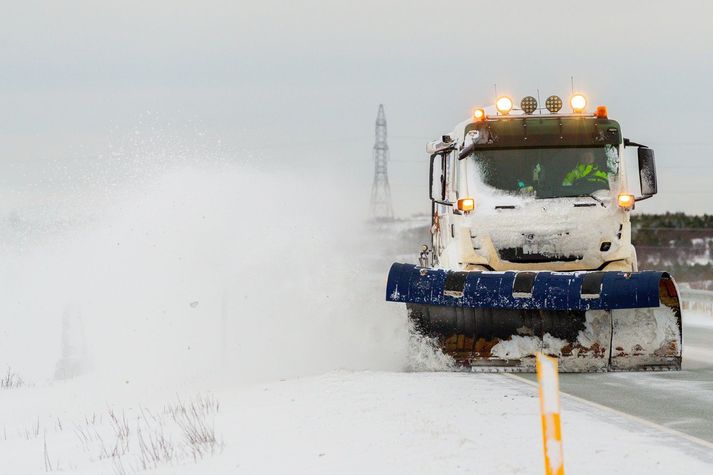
{"points": [[589, 321]]}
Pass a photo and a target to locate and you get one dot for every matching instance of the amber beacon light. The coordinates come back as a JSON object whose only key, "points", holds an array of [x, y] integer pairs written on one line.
{"points": [[466, 204]]}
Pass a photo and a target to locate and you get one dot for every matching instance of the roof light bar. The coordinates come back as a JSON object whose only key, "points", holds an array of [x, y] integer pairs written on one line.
{"points": [[504, 105], [528, 104], [578, 103], [553, 104]]}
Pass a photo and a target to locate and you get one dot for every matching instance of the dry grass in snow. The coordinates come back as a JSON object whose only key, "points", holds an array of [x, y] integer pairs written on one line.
{"points": [[180, 432], [126, 441], [11, 380]]}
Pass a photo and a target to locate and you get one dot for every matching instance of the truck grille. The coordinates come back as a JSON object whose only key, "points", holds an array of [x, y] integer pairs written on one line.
{"points": [[517, 254]]}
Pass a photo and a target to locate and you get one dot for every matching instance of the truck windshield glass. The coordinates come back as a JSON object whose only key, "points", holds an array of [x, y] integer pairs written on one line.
{"points": [[548, 172]]}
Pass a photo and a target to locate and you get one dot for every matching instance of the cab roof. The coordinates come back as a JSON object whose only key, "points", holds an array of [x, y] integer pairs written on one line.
{"points": [[543, 131]]}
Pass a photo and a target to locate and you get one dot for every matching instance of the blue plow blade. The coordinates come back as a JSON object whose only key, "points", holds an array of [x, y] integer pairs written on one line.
{"points": [[541, 290], [589, 320]]}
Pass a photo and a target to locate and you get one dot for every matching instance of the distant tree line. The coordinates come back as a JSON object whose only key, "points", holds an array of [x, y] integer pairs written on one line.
{"points": [[672, 221], [670, 229], [678, 243]]}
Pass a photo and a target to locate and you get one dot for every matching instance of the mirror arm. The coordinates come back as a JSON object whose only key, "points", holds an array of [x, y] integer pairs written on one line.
{"points": [[629, 143], [467, 150], [642, 198]]}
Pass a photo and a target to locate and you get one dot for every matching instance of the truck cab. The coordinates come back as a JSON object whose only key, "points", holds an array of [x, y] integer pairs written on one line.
{"points": [[519, 189]]}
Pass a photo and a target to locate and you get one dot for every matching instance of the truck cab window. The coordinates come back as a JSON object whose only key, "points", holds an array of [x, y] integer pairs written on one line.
{"points": [[548, 172]]}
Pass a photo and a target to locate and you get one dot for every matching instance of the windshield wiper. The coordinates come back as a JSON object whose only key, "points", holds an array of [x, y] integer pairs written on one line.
{"points": [[591, 195]]}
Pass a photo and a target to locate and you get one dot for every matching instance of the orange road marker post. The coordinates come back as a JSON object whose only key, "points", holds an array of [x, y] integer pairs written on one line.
{"points": [[548, 380]]}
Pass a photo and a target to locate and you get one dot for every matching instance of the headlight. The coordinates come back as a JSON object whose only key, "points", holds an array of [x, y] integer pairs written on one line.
{"points": [[625, 201], [466, 204]]}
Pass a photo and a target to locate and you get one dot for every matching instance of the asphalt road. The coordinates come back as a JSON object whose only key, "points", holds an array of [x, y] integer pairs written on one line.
{"points": [[679, 400]]}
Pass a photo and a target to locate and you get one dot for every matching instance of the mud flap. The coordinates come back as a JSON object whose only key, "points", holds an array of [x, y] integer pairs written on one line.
{"points": [[590, 321]]}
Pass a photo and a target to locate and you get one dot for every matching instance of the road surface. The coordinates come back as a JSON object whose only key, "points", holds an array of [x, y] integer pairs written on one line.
{"points": [[678, 400]]}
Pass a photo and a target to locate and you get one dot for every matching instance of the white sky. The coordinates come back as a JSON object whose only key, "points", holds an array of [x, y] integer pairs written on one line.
{"points": [[297, 84]]}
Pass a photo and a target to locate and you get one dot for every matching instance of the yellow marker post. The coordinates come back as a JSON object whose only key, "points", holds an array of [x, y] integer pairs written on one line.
{"points": [[548, 380]]}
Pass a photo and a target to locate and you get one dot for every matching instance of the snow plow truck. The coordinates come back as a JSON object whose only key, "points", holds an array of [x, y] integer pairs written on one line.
{"points": [[531, 245]]}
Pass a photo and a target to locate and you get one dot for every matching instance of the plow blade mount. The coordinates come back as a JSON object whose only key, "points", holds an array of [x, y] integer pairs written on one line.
{"points": [[589, 321]]}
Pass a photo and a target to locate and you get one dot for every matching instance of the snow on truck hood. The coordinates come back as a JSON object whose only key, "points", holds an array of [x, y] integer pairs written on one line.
{"points": [[545, 215], [554, 226]]}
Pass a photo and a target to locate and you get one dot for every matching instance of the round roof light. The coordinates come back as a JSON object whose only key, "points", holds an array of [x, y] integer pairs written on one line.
{"points": [[578, 103], [504, 105], [528, 104], [479, 114], [553, 104]]}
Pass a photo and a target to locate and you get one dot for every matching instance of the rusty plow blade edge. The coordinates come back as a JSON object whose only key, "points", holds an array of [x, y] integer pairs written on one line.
{"points": [[589, 321]]}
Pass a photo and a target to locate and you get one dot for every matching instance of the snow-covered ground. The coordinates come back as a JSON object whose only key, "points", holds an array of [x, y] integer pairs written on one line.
{"points": [[339, 422], [180, 326]]}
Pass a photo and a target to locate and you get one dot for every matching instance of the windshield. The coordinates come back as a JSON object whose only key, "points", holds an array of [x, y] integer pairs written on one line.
{"points": [[548, 172]]}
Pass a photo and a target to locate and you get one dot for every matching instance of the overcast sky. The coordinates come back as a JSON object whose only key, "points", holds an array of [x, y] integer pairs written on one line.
{"points": [[297, 83]]}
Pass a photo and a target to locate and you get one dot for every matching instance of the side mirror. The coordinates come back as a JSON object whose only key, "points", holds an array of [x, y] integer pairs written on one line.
{"points": [[647, 172], [430, 177], [437, 178]]}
